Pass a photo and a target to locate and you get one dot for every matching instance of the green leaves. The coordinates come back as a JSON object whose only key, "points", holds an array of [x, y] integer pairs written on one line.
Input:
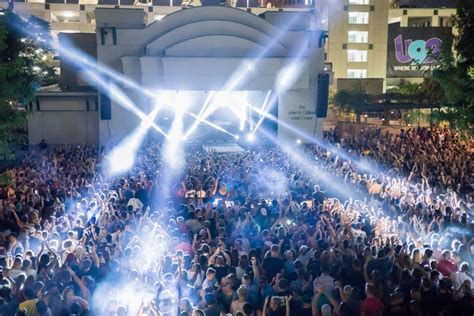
{"points": [[3, 36], [406, 88], [454, 73], [23, 68], [350, 99], [5, 178]]}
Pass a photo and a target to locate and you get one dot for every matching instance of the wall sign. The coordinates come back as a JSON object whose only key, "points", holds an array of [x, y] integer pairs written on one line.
{"points": [[410, 49]]}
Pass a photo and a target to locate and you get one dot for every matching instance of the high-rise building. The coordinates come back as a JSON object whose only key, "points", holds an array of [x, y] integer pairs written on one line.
{"points": [[362, 35], [357, 40]]}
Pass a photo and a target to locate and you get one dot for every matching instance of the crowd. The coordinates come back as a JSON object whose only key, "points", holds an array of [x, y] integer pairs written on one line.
{"points": [[372, 224]]}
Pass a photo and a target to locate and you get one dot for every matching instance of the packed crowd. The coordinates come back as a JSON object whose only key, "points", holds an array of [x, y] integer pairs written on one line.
{"points": [[267, 232]]}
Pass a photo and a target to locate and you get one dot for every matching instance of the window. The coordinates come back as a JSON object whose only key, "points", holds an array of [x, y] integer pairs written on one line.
{"points": [[358, 37], [65, 17], [327, 66], [358, 17], [358, 1], [90, 17], [357, 56], [419, 21], [356, 73], [445, 22]]}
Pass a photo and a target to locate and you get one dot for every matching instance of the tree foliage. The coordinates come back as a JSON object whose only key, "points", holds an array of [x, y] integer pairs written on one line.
{"points": [[454, 73], [351, 100], [24, 57], [406, 88]]}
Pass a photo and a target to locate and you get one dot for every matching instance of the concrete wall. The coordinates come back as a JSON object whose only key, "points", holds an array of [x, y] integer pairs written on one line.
{"points": [[70, 72], [64, 121]]}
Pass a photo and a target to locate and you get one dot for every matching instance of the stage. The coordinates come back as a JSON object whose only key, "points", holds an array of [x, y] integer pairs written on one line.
{"points": [[215, 73]]}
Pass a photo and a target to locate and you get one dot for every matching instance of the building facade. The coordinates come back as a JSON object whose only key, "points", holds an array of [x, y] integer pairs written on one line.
{"points": [[359, 40], [358, 30], [191, 53]]}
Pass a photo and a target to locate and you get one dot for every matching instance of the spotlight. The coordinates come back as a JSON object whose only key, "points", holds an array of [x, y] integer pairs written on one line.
{"points": [[298, 141], [237, 137], [250, 137]]}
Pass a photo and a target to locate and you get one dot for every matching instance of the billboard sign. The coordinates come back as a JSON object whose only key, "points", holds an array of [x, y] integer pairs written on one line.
{"points": [[427, 3], [409, 49]]}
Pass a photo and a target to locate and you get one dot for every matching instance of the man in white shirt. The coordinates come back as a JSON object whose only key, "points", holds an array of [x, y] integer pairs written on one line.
{"points": [[459, 277], [15, 271], [324, 279], [135, 203], [305, 254]]}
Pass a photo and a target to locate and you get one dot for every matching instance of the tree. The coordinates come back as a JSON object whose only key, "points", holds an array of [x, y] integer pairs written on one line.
{"points": [[406, 88], [24, 57], [454, 72], [431, 90], [351, 100], [414, 116]]}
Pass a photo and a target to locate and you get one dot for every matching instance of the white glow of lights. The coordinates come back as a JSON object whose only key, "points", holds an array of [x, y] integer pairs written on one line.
{"points": [[122, 158]]}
